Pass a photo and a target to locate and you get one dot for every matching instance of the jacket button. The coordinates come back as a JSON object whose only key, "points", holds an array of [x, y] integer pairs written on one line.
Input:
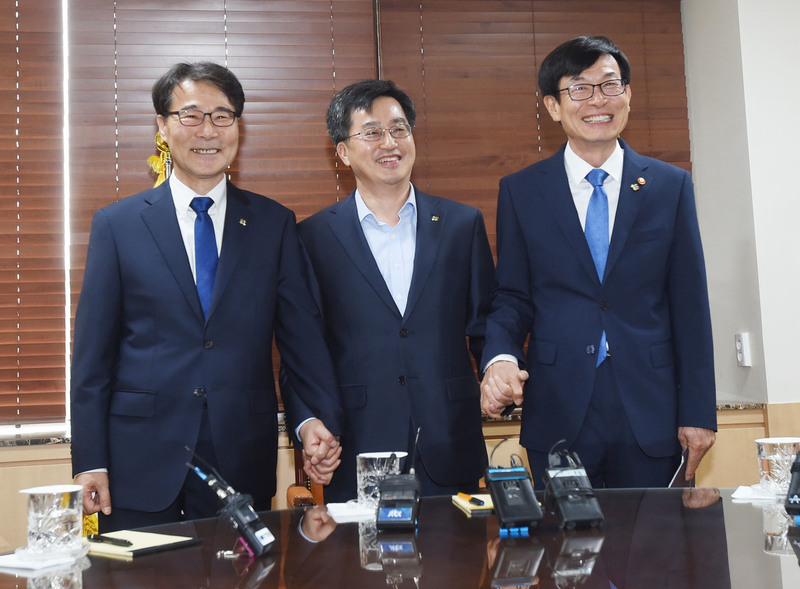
{"points": [[404, 332], [590, 349], [401, 379], [604, 305], [208, 344], [199, 392]]}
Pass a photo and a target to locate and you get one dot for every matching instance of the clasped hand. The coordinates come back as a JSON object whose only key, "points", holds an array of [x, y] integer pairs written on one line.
{"points": [[502, 386], [321, 451]]}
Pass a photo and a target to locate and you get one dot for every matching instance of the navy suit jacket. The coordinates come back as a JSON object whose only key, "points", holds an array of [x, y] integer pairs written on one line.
{"points": [[145, 360], [652, 303], [394, 370]]}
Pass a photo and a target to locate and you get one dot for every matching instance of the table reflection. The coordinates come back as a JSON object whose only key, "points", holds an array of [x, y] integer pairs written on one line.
{"points": [[684, 538]]}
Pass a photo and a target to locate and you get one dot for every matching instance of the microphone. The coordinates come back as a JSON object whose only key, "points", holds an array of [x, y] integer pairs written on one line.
{"points": [[238, 510], [515, 503], [792, 503], [569, 492], [398, 506]]}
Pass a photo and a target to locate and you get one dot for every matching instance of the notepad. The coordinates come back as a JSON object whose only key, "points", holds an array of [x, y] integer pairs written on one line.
{"points": [[475, 510], [141, 543]]}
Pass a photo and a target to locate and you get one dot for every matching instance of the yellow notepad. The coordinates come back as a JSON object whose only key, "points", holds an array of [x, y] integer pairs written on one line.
{"points": [[141, 543], [471, 509]]}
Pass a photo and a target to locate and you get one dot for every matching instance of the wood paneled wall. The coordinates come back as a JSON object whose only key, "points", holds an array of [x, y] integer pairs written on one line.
{"points": [[469, 65]]}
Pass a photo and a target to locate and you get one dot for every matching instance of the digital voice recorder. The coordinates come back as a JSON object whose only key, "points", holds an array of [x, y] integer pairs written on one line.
{"points": [[568, 491], [792, 504], [515, 503], [238, 510], [398, 506]]}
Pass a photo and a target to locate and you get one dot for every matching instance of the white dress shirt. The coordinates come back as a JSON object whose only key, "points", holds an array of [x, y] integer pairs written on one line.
{"points": [[581, 190], [182, 196]]}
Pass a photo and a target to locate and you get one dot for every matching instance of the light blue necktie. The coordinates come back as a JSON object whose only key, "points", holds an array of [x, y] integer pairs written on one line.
{"points": [[205, 250], [597, 234]]}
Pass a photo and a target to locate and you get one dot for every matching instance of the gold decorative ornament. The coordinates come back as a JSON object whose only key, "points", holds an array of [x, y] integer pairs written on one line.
{"points": [[161, 164]]}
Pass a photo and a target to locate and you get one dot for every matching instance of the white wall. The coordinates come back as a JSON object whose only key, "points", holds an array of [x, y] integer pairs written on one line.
{"points": [[744, 140], [772, 91]]}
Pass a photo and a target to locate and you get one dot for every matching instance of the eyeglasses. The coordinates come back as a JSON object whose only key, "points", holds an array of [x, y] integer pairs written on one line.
{"points": [[586, 91], [192, 117], [399, 131]]}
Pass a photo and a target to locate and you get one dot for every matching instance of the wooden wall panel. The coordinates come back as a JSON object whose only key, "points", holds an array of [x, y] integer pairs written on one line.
{"points": [[471, 69]]}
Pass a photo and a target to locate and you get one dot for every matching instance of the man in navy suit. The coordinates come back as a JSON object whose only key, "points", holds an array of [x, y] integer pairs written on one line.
{"points": [[158, 368], [404, 282], [619, 362]]}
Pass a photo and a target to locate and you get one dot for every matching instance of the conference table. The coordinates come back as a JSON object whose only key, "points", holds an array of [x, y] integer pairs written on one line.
{"points": [[651, 538]]}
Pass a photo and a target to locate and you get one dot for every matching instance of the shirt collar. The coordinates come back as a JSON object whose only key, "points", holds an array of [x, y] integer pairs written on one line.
{"points": [[363, 210], [577, 168], [182, 195]]}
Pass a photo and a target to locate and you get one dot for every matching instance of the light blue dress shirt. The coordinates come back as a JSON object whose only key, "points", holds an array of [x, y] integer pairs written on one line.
{"points": [[392, 247]]}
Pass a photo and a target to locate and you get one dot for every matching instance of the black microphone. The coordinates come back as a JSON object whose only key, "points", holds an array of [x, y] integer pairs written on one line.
{"points": [[514, 501], [792, 503], [238, 509], [398, 506], [568, 491]]}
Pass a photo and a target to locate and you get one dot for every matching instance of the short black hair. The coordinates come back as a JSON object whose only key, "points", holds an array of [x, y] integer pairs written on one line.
{"points": [[201, 71], [361, 96], [575, 56]]}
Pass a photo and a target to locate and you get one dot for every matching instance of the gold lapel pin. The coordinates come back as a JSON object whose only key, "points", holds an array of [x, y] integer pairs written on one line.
{"points": [[641, 181]]}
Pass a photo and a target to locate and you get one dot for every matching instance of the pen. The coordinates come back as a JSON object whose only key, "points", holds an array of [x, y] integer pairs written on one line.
{"points": [[470, 498], [108, 540]]}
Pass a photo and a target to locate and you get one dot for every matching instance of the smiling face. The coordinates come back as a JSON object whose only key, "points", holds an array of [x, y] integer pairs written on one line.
{"points": [[592, 126], [200, 155], [382, 164]]}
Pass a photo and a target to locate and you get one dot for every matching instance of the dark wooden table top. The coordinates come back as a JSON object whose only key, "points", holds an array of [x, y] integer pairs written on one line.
{"points": [[651, 538]]}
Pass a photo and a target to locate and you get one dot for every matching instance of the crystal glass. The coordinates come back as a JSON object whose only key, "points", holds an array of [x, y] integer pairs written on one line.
{"points": [[776, 524], [371, 469], [775, 458], [70, 577], [55, 517], [368, 548]]}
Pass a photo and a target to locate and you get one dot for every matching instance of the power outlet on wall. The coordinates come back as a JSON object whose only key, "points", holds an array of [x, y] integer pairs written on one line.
{"points": [[742, 341]]}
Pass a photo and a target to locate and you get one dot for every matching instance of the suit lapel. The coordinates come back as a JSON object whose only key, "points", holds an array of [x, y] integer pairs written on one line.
{"points": [[554, 187], [343, 221], [237, 217], [162, 223], [430, 224], [630, 202]]}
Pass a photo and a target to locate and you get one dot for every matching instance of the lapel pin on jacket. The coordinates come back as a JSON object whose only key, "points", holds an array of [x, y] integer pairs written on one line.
{"points": [[639, 183], [435, 218], [243, 222]]}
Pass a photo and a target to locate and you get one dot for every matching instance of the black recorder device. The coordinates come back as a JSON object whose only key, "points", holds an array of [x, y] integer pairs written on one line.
{"points": [[398, 506], [792, 503], [514, 501], [568, 492]]}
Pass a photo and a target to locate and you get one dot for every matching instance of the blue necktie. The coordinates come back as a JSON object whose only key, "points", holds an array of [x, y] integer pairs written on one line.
{"points": [[597, 234], [205, 250]]}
